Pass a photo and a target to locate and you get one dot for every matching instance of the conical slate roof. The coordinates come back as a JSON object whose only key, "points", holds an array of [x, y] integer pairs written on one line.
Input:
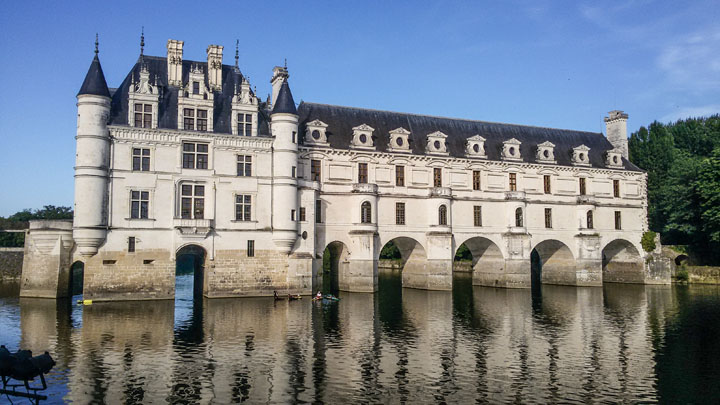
{"points": [[284, 103], [94, 82]]}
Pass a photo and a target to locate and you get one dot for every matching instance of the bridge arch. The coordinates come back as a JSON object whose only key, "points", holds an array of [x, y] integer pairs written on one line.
{"points": [[552, 262], [488, 261], [413, 260], [335, 264], [76, 280], [622, 263], [192, 258]]}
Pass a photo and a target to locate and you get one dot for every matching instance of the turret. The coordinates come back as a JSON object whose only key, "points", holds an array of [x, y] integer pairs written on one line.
{"points": [[92, 160], [280, 76], [284, 126], [616, 129]]}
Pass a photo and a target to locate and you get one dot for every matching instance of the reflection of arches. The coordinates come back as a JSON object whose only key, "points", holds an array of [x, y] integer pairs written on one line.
{"points": [[552, 262], [77, 275], [335, 264], [191, 258], [622, 263], [488, 263]]}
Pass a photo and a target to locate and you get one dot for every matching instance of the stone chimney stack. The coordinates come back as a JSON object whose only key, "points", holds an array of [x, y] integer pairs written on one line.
{"points": [[214, 62], [280, 75], [174, 62], [616, 129]]}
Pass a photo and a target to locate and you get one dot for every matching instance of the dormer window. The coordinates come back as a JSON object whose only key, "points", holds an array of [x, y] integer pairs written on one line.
{"points": [[580, 156], [511, 150], [195, 119], [315, 133], [545, 153], [362, 137], [143, 101], [436, 143], [196, 87], [244, 111], [399, 140], [475, 147], [143, 115], [613, 159], [195, 103]]}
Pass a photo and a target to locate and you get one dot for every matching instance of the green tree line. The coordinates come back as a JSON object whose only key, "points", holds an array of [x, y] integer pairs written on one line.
{"points": [[682, 160], [19, 220]]}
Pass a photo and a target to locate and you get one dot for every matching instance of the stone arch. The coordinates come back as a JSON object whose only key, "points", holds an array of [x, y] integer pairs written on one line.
{"points": [[680, 259], [488, 261], [552, 262], [622, 263], [76, 279], [193, 256], [335, 258], [415, 270]]}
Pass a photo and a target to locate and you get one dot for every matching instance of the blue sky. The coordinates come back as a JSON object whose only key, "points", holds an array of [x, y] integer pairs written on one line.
{"points": [[560, 64]]}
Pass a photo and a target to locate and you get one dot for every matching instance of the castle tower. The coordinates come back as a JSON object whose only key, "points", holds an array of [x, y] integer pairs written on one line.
{"points": [[616, 129], [284, 125], [92, 160]]}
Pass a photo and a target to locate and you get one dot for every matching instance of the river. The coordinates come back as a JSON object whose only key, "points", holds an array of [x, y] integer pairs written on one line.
{"points": [[619, 343]]}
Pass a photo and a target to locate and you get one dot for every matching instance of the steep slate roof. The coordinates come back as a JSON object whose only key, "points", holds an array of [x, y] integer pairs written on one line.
{"points": [[284, 103], [341, 120], [94, 82], [167, 106]]}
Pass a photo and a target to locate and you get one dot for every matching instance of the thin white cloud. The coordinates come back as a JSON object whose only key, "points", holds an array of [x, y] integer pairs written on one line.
{"points": [[691, 112], [693, 62]]}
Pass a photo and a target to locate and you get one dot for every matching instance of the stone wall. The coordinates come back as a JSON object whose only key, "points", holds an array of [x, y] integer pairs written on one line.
{"points": [[11, 260], [703, 274]]}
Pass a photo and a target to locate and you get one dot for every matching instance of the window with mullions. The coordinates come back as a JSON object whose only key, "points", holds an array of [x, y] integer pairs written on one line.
{"points": [[141, 159], [477, 215], [518, 217], [589, 219], [399, 213], [302, 215], [244, 124], [583, 188], [192, 201], [315, 170], [618, 220], [548, 217], [442, 215], [616, 188], [365, 213], [546, 184], [513, 182], [244, 165], [143, 115], [400, 176], [251, 248], [139, 203], [476, 179], [362, 173], [195, 155], [437, 177], [243, 206], [195, 119]]}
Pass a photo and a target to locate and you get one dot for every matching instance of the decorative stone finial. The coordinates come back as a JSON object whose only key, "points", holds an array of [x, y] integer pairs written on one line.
{"points": [[142, 40], [96, 43], [285, 63], [237, 54]]}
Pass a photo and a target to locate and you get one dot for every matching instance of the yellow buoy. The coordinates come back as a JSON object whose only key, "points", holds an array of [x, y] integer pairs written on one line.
{"points": [[87, 302]]}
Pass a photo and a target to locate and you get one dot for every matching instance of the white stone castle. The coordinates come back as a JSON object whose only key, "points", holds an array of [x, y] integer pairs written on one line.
{"points": [[183, 158]]}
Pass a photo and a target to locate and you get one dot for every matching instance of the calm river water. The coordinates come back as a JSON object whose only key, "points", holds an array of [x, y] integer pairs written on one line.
{"points": [[619, 343]]}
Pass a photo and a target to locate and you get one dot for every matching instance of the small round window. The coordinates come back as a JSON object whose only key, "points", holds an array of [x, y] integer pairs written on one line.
{"points": [[582, 157], [363, 138], [437, 145], [399, 141], [546, 154], [615, 159], [476, 148], [316, 134], [512, 151]]}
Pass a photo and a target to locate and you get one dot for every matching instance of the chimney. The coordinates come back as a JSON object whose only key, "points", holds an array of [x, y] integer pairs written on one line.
{"points": [[616, 130], [174, 62], [280, 74], [214, 62]]}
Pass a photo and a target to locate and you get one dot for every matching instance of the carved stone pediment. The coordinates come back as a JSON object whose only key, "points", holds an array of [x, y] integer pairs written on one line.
{"points": [[546, 152], [316, 133], [436, 143], [511, 150], [362, 137], [399, 140], [475, 147], [580, 156]]}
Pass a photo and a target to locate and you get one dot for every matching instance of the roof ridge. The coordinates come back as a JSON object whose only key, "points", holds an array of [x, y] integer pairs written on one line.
{"points": [[452, 118]]}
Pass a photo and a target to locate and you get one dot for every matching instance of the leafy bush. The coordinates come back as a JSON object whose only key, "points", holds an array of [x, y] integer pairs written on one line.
{"points": [[682, 275], [648, 241]]}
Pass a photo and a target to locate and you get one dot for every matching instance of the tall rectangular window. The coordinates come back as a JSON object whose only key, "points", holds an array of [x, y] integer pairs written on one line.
{"points": [[302, 214], [292, 215], [143, 115], [400, 176], [251, 248], [244, 165], [548, 217], [141, 159], [618, 220], [243, 207], [399, 213], [318, 211], [437, 177], [513, 182], [616, 188], [131, 244], [195, 155], [546, 184], [315, 173], [244, 124], [477, 215], [192, 201], [195, 119], [476, 179], [583, 188], [139, 203], [362, 173], [196, 87], [293, 172]]}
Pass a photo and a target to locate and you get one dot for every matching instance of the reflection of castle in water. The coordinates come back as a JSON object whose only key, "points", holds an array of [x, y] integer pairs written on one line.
{"points": [[399, 345]]}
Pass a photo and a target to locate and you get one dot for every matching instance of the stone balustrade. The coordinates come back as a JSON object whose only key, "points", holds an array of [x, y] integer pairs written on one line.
{"points": [[515, 195], [365, 188], [444, 192]]}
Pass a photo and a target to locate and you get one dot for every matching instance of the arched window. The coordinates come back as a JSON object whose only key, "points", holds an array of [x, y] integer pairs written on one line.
{"points": [[518, 217], [442, 215], [365, 213], [589, 220]]}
